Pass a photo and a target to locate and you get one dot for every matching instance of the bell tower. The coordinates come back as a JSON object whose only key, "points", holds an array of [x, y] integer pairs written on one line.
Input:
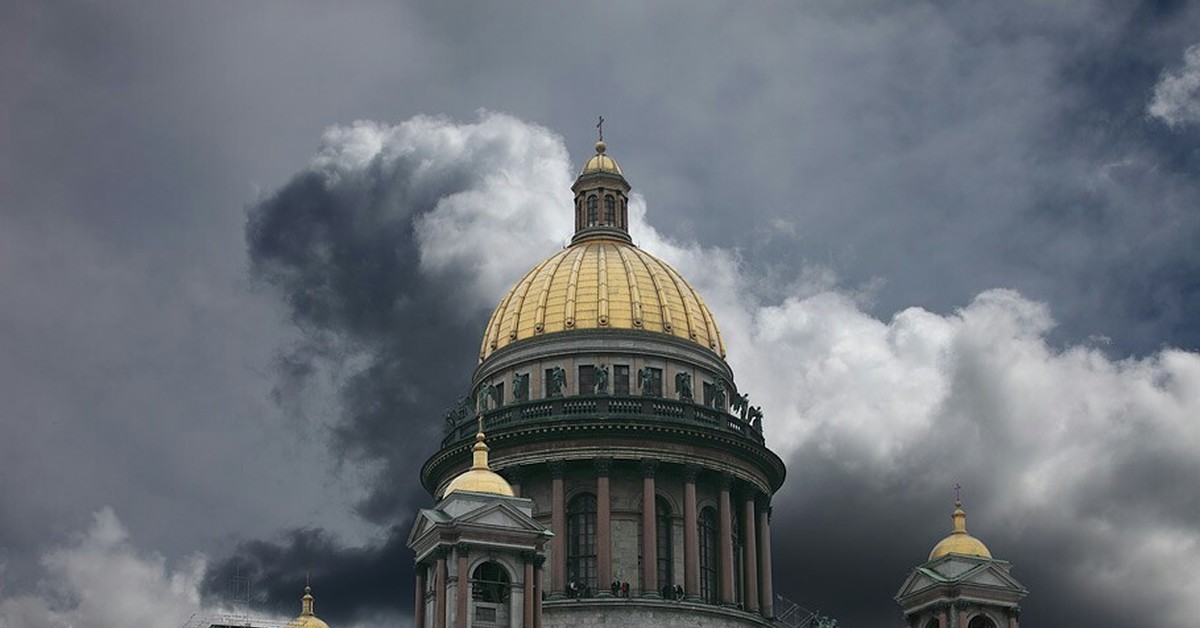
{"points": [[961, 585]]}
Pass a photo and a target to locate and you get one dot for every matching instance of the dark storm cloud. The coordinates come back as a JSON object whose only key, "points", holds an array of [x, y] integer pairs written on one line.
{"points": [[350, 584], [357, 247], [916, 153]]}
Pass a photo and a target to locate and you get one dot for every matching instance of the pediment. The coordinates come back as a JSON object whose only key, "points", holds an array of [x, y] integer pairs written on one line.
{"points": [[425, 519], [916, 582], [993, 576], [500, 515]]}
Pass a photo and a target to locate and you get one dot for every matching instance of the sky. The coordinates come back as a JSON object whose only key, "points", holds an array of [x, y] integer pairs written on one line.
{"points": [[247, 251]]}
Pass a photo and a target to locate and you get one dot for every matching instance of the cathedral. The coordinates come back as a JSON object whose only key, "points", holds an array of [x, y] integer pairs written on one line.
{"points": [[607, 468]]}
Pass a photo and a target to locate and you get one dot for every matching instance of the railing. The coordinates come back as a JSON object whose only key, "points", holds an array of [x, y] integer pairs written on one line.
{"points": [[602, 407]]}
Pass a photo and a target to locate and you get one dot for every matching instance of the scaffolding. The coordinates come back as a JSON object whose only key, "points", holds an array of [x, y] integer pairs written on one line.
{"points": [[792, 615]]}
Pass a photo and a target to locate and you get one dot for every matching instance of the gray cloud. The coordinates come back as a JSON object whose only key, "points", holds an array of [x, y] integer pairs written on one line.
{"points": [[892, 155], [1177, 94]]}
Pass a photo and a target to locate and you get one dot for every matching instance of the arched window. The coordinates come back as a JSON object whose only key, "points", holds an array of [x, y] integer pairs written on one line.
{"points": [[933, 623], [581, 542], [490, 583], [591, 211], [662, 534], [981, 621], [610, 210], [708, 555]]}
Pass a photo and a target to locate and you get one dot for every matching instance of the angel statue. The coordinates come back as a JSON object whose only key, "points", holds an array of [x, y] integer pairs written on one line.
{"points": [[558, 381], [741, 404], [756, 416], [601, 386], [683, 386]]}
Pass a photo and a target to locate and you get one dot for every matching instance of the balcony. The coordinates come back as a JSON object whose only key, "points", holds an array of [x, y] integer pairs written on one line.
{"points": [[602, 408]]}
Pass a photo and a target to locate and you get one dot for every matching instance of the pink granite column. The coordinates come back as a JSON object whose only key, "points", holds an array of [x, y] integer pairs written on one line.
{"points": [[750, 553], [460, 599], [765, 585], [691, 536], [527, 587], [439, 584], [603, 529], [726, 541], [1014, 615], [558, 525], [419, 598], [649, 528], [537, 592]]}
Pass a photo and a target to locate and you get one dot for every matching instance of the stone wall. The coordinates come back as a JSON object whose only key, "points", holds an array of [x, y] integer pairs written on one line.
{"points": [[621, 613]]}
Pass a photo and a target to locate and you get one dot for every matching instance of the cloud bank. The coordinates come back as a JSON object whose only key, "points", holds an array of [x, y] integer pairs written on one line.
{"points": [[1177, 95], [100, 580], [393, 245]]}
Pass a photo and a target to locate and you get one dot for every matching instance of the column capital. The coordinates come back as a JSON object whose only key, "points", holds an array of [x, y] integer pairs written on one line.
{"points": [[725, 481], [691, 472], [649, 467], [763, 502], [961, 605], [441, 552], [462, 548], [603, 466], [556, 468], [1013, 611], [531, 557], [941, 607]]}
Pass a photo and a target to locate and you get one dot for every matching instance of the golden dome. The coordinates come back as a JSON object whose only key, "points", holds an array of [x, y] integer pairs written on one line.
{"points": [[601, 283], [479, 478], [307, 619], [959, 542], [600, 162]]}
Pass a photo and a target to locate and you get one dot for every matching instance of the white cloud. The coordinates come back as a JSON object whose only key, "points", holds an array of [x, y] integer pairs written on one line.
{"points": [[1177, 95], [99, 580], [1049, 437]]}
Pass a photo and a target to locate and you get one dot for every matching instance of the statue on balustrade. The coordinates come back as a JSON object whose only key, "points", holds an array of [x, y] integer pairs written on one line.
{"points": [[557, 382], [741, 404], [683, 386], [520, 387], [601, 386], [756, 416]]}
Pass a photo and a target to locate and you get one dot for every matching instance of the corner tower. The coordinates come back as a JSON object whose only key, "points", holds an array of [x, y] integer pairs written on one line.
{"points": [[603, 387], [961, 585]]}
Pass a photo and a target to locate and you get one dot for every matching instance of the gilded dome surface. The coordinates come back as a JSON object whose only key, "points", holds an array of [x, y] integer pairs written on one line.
{"points": [[601, 283], [480, 478], [959, 541], [600, 162], [307, 619]]}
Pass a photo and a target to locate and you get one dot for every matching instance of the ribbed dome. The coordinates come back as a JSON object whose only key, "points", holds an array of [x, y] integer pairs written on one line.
{"points": [[480, 478], [959, 541], [307, 619], [600, 162], [601, 283]]}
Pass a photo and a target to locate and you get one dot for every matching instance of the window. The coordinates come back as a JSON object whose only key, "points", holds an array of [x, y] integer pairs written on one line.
{"points": [[710, 393], [620, 383], [933, 623], [490, 583], [581, 542], [591, 211], [610, 210], [981, 621], [587, 379], [708, 555], [650, 381], [662, 534], [498, 394]]}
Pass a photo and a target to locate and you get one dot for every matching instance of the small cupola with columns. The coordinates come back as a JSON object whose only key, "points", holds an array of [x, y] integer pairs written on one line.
{"points": [[601, 197]]}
